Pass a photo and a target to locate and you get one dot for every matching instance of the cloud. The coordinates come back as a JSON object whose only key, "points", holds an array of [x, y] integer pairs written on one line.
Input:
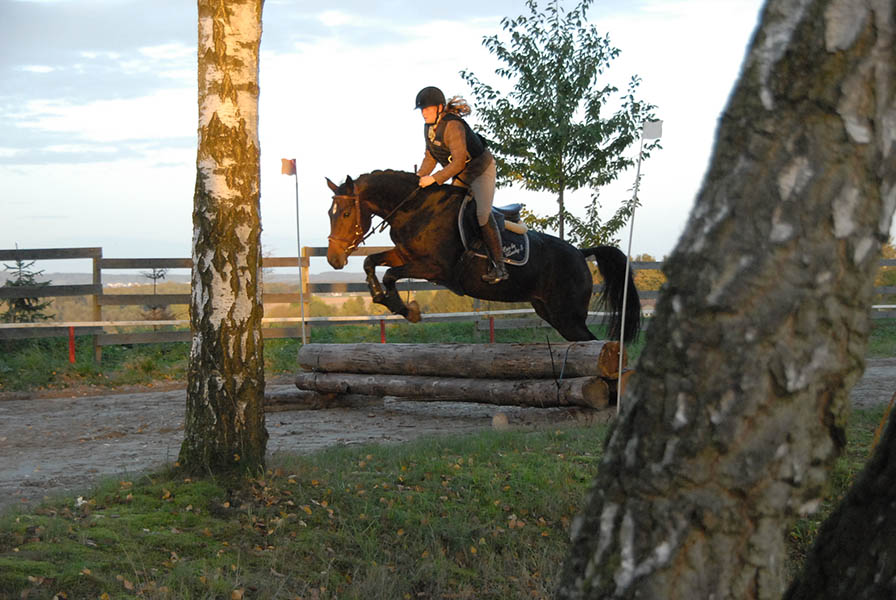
{"points": [[162, 114]]}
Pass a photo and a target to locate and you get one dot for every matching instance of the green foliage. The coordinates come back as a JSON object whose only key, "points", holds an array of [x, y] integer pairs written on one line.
{"points": [[551, 131], [355, 305], [24, 310]]}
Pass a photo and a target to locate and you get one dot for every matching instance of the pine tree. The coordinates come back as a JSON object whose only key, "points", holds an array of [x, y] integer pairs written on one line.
{"points": [[29, 309]]}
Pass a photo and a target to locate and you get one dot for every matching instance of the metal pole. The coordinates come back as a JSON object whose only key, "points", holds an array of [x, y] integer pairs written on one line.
{"points": [[299, 257], [628, 260]]}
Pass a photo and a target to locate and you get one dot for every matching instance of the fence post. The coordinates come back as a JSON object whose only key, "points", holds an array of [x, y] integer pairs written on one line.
{"points": [[305, 263], [382, 331], [97, 305]]}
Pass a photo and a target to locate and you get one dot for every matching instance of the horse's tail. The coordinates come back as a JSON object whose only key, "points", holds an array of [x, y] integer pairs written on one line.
{"points": [[611, 264]]}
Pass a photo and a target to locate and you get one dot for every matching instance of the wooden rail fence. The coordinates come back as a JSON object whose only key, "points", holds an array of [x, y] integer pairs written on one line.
{"points": [[97, 327]]}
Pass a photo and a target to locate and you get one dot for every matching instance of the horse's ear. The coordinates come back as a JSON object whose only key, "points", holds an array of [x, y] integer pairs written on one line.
{"points": [[332, 185], [349, 184]]}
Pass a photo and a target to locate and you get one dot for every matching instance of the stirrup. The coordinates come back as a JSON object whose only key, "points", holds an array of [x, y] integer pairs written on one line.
{"points": [[496, 274]]}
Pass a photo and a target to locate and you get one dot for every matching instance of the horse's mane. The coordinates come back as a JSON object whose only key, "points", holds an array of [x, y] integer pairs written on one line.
{"points": [[406, 175]]}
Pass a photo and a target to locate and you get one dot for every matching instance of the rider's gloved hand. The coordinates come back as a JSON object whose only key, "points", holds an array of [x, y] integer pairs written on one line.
{"points": [[426, 180]]}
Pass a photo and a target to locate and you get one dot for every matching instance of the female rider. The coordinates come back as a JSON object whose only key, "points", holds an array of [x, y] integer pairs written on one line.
{"points": [[462, 154]]}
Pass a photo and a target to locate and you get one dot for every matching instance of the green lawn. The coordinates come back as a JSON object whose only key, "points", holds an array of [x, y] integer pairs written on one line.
{"points": [[477, 516]]}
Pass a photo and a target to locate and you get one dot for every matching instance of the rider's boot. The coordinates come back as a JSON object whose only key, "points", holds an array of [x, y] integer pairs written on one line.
{"points": [[492, 238]]}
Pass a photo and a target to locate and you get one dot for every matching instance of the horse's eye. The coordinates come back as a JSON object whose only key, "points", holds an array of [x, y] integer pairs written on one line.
{"points": [[347, 214]]}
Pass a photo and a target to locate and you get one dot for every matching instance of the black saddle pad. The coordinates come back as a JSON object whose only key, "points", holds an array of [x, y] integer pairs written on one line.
{"points": [[515, 245]]}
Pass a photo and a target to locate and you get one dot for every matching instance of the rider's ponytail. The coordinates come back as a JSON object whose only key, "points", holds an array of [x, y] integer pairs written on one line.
{"points": [[458, 106]]}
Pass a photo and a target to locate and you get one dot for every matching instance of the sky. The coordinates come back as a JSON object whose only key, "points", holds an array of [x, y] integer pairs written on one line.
{"points": [[98, 110]]}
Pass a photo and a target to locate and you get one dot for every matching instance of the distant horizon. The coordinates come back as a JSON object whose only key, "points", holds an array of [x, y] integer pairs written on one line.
{"points": [[74, 277]]}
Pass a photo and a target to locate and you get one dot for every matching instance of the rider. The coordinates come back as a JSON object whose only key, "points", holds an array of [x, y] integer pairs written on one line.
{"points": [[462, 153]]}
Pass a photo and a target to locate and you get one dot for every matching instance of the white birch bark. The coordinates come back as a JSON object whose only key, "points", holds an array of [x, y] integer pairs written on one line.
{"points": [[739, 404], [225, 417]]}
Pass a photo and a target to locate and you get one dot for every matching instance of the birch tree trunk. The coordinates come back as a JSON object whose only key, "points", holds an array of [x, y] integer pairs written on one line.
{"points": [[738, 408], [224, 426]]}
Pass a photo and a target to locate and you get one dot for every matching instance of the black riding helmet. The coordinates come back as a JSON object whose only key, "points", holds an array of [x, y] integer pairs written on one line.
{"points": [[430, 96]]}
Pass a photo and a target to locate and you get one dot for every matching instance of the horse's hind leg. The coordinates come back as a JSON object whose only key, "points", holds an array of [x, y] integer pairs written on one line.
{"points": [[569, 322]]}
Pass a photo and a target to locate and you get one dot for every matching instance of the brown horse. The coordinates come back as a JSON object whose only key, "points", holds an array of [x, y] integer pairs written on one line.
{"points": [[423, 224]]}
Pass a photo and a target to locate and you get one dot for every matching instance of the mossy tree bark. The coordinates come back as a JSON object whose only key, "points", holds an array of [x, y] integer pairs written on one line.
{"points": [[225, 426], [738, 408]]}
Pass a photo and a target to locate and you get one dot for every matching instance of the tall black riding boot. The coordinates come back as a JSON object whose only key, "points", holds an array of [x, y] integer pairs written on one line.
{"points": [[492, 238]]}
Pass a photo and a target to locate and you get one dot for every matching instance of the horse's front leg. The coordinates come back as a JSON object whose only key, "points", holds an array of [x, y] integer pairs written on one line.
{"points": [[390, 258], [411, 310]]}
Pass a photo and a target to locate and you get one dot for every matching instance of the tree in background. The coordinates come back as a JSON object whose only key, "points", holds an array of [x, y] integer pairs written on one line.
{"points": [[29, 309], [156, 311], [738, 410], [224, 423], [551, 132], [155, 275]]}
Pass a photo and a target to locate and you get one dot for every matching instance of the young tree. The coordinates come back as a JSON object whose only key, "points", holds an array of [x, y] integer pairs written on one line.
{"points": [[551, 132], [224, 424], [739, 407], [28, 309], [155, 275], [156, 311]]}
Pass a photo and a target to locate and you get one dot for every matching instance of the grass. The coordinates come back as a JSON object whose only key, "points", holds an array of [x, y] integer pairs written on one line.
{"points": [[43, 364], [482, 516], [479, 516]]}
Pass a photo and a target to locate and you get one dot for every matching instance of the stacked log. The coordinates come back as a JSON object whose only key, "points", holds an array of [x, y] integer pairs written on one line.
{"points": [[540, 375]]}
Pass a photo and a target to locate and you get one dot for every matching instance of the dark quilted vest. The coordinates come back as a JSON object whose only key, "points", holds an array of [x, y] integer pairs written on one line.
{"points": [[439, 150]]}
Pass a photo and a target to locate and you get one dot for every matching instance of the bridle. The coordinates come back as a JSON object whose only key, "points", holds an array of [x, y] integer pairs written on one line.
{"points": [[358, 231]]}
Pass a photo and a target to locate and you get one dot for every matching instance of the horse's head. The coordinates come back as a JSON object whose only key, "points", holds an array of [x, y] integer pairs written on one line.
{"points": [[348, 222]]}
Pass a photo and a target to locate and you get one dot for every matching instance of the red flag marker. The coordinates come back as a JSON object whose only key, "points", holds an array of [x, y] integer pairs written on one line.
{"points": [[287, 166]]}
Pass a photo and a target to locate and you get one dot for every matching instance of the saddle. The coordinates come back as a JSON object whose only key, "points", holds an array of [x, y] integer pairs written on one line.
{"points": [[514, 241]]}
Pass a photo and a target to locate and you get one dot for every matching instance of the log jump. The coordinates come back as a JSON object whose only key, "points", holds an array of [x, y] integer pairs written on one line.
{"points": [[535, 375]]}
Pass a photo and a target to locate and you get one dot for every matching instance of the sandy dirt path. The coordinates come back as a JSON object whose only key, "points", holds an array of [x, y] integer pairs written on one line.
{"points": [[66, 444]]}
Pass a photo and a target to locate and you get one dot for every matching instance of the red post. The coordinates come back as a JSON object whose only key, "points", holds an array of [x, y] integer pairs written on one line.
{"points": [[382, 331], [71, 345], [491, 330]]}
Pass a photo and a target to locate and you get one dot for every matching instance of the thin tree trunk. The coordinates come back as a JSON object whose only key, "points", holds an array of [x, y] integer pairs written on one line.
{"points": [[562, 215], [224, 426], [739, 405]]}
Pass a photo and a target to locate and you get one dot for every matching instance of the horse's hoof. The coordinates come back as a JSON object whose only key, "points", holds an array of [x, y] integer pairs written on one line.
{"points": [[378, 298], [413, 312]]}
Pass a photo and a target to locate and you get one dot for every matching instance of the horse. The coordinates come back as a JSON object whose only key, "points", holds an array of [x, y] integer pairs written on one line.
{"points": [[423, 225]]}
